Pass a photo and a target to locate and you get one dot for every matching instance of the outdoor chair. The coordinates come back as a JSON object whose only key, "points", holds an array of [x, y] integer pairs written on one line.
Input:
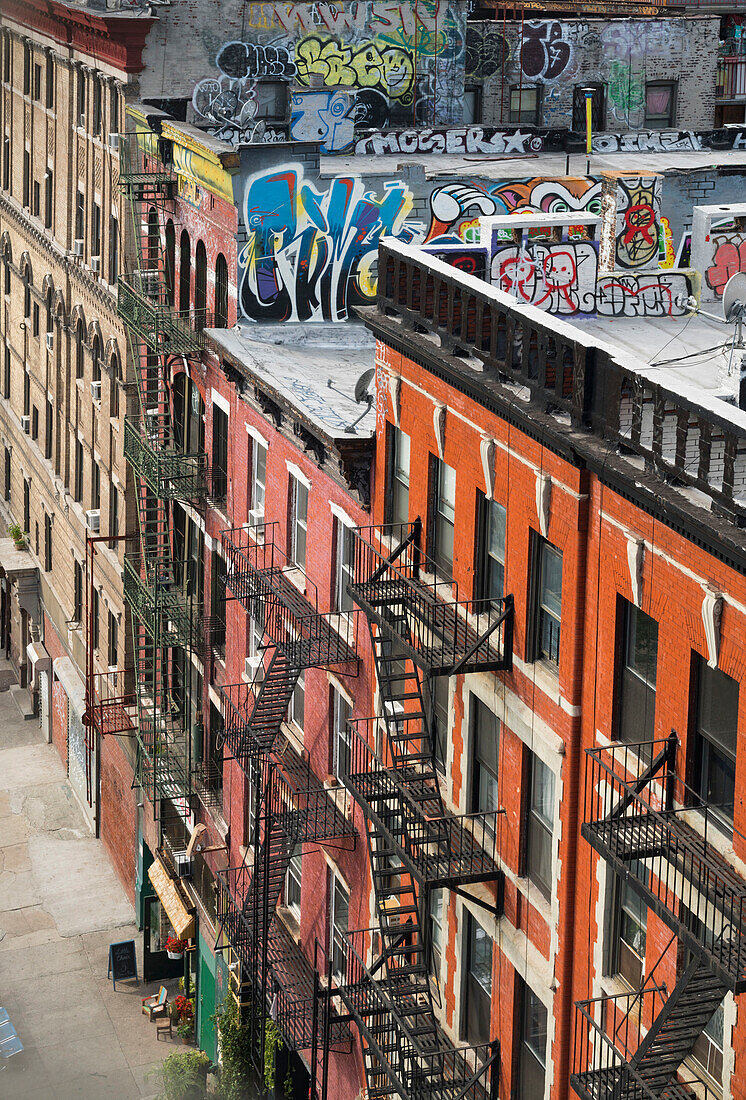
{"points": [[157, 1005]]}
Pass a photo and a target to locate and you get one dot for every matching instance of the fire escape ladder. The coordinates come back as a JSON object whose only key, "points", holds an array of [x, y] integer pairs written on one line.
{"points": [[254, 713], [694, 1000]]}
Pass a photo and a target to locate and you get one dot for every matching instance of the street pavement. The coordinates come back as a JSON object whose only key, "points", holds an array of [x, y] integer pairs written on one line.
{"points": [[61, 905]]}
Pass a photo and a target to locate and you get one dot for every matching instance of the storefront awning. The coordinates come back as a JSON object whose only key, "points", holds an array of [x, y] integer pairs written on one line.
{"points": [[171, 900]]}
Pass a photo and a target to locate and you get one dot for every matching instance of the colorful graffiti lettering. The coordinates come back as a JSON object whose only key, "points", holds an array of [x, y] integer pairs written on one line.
{"points": [[311, 254], [638, 214], [545, 53], [622, 295], [389, 68], [728, 258], [456, 140], [626, 92], [325, 116], [558, 278], [551, 196]]}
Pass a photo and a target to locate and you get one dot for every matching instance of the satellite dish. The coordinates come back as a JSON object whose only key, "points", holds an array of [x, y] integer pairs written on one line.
{"points": [[362, 386], [734, 298]]}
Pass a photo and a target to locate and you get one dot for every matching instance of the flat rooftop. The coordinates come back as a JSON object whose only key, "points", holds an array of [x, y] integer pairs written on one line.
{"points": [[314, 368]]}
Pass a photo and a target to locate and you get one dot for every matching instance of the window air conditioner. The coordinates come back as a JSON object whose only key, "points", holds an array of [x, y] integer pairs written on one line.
{"points": [[78, 246], [183, 864], [93, 520], [96, 391], [251, 667], [50, 341], [95, 264], [26, 424], [114, 142]]}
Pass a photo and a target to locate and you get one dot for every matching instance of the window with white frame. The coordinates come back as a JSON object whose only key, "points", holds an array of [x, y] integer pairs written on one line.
{"points": [[435, 915], [541, 826], [258, 481], [293, 883], [345, 556], [297, 707], [298, 521], [477, 1007], [339, 914], [532, 1052], [341, 713]]}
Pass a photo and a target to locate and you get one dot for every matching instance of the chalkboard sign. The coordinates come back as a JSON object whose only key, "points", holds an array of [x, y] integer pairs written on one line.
{"points": [[122, 961]]}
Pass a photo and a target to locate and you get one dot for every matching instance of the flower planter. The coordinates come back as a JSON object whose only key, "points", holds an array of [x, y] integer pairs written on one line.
{"points": [[175, 954]]}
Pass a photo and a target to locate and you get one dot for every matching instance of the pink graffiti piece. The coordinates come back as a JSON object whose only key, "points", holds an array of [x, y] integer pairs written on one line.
{"points": [[558, 275], [728, 259]]}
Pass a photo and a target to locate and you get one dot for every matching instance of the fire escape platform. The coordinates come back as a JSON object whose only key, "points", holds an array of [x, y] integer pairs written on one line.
{"points": [[170, 474], [293, 976], [314, 814], [158, 591], [154, 321], [620, 1081]]}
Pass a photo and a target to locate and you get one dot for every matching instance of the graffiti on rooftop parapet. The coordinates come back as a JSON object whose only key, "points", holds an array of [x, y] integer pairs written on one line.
{"points": [[638, 222]]}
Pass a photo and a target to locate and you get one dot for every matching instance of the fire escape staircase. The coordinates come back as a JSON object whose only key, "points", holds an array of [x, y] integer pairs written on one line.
{"points": [[414, 845], [657, 835]]}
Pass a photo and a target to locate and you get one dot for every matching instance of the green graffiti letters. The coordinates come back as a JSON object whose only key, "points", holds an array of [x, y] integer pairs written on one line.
{"points": [[367, 65]]}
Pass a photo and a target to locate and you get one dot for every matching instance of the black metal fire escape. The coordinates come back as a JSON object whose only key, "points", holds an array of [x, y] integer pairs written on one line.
{"points": [[292, 804], [418, 627], [658, 835]]}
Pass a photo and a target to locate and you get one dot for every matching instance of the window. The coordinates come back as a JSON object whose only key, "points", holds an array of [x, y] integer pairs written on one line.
{"points": [[221, 291], [6, 376], [26, 392], [631, 929], [200, 286], [113, 401], [548, 572], [715, 738], [35, 320], [113, 514], [185, 275], [490, 564], [114, 251], [80, 216], [34, 423], [80, 120], [114, 109], [597, 107], [47, 543], [339, 898], [77, 592], [7, 486], [271, 100], [297, 707], [6, 58], [298, 521], [96, 111], [532, 1046], [96, 354], [540, 826], [7, 277], [36, 202], [95, 482], [438, 691], [660, 104], [79, 343], [478, 983], [26, 505], [636, 710], [48, 197], [443, 488], [112, 648], [258, 480], [94, 618], [435, 917], [398, 462], [708, 1048], [26, 68], [78, 471], [26, 178], [342, 745], [293, 883], [485, 747], [6, 166], [26, 298], [37, 83], [48, 429], [525, 104], [345, 560], [253, 777], [96, 234], [219, 455], [49, 100], [472, 111]]}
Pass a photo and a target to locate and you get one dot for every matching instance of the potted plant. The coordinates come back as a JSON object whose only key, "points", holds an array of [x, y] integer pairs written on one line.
{"points": [[184, 1075], [185, 1031], [175, 947], [184, 1011], [16, 533]]}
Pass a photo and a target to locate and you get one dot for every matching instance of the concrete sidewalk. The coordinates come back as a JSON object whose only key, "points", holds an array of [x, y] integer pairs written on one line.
{"points": [[61, 905]]}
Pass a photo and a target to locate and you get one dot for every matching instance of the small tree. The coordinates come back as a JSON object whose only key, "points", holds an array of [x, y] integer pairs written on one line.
{"points": [[184, 1075]]}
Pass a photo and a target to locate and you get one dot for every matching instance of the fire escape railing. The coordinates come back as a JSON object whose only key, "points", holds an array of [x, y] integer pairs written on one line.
{"points": [[169, 473], [444, 634]]}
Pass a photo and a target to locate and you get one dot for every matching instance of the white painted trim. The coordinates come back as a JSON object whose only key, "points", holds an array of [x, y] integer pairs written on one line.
{"points": [[338, 687], [298, 473], [341, 515], [257, 436], [221, 402]]}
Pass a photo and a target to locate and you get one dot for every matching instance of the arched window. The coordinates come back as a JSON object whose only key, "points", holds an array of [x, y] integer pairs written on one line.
{"points": [[151, 263], [79, 345], [185, 272], [221, 292], [96, 351], [114, 388], [170, 260], [50, 312], [200, 286]]}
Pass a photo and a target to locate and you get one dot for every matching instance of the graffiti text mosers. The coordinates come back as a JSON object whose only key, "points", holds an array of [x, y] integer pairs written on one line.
{"points": [[465, 139]]}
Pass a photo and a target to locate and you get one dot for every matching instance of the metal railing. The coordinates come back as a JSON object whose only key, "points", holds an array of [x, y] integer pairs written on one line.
{"points": [[276, 592], [143, 304], [168, 613], [169, 473], [655, 829], [731, 78], [398, 585], [454, 848], [451, 1073], [112, 706]]}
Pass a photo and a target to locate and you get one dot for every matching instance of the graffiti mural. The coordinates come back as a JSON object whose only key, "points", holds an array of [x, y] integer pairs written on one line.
{"points": [[312, 252], [457, 140], [551, 196], [545, 52], [389, 69], [652, 295], [728, 258], [637, 222], [325, 116], [558, 278]]}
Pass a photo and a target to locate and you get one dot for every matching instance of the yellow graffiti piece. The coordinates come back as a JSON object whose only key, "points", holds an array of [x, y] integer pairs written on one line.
{"points": [[668, 260], [366, 66]]}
